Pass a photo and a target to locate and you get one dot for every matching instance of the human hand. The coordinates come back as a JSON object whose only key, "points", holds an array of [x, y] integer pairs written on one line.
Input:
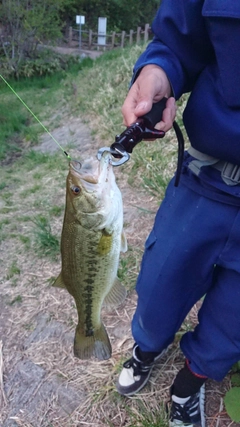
{"points": [[150, 86]]}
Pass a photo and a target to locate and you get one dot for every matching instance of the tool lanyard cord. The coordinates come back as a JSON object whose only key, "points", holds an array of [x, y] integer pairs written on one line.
{"points": [[180, 140]]}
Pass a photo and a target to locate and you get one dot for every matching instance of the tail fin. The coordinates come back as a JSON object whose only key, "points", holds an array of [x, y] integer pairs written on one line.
{"points": [[97, 345]]}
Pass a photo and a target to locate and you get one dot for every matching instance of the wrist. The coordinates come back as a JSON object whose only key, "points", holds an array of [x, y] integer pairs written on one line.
{"points": [[155, 72]]}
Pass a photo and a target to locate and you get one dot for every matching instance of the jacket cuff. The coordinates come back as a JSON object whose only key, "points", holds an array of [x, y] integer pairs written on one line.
{"points": [[159, 55]]}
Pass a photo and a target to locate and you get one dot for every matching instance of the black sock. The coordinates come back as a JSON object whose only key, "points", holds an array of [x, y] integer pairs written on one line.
{"points": [[146, 355], [187, 383]]}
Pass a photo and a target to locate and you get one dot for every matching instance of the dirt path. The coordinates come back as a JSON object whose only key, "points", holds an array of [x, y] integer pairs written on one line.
{"points": [[42, 382], [43, 385], [93, 54]]}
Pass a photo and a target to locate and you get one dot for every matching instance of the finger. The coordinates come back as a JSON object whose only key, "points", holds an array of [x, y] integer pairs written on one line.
{"points": [[133, 108], [128, 108], [168, 116]]}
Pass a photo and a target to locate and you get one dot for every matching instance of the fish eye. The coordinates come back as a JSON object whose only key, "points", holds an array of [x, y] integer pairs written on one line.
{"points": [[75, 189]]}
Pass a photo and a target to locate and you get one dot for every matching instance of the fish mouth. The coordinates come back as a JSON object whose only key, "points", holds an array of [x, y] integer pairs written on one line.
{"points": [[93, 171], [75, 165]]}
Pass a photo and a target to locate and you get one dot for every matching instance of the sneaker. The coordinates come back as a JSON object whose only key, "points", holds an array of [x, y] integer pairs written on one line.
{"points": [[135, 374], [188, 411]]}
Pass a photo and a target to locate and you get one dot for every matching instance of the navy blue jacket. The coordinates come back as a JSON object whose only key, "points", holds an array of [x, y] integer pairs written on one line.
{"points": [[197, 43]]}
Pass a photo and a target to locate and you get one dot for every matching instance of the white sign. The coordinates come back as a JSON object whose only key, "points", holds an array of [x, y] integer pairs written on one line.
{"points": [[80, 19], [102, 31]]}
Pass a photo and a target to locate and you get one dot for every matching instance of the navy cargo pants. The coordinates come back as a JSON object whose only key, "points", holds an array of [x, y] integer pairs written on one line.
{"points": [[192, 252]]}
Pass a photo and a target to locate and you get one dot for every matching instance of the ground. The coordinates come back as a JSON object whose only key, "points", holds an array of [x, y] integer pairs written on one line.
{"points": [[41, 383]]}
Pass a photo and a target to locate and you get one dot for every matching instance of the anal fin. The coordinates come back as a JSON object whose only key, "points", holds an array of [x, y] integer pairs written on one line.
{"points": [[116, 295]]}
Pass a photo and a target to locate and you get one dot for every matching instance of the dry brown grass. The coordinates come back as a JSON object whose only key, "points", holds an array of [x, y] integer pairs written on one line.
{"points": [[41, 383], [38, 321]]}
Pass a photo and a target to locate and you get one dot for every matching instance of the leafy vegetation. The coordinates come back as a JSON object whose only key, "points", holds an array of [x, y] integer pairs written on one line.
{"points": [[27, 25], [24, 24], [231, 401], [232, 397], [121, 14]]}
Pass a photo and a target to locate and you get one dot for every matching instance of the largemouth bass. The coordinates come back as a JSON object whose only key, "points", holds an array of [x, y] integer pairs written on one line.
{"points": [[92, 238]]}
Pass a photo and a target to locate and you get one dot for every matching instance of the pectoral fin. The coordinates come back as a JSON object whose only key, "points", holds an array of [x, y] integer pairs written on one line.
{"points": [[116, 295], [105, 243], [124, 245], [59, 283]]}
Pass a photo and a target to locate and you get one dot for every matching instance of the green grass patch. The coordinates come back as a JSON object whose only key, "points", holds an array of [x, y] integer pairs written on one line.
{"points": [[32, 160], [13, 270], [46, 243], [141, 415], [147, 417], [15, 300], [41, 95], [129, 267], [29, 191], [56, 210], [25, 240], [3, 185], [3, 222]]}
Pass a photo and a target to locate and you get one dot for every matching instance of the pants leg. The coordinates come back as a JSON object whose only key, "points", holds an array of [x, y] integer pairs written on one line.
{"points": [[189, 234], [214, 346]]}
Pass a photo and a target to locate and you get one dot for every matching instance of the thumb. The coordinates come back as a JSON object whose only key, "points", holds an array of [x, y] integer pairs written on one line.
{"points": [[143, 107]]}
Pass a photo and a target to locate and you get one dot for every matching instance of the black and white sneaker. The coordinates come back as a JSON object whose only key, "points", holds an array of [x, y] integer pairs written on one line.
{"points": [[188, 411], [135, 374]]}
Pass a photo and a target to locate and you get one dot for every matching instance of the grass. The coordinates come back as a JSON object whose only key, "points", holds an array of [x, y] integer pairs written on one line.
{"points": [[99, 101], [46, 243], [32, 198], [13, 270], [152, 163], [42, 95], [143, 416], [17, 299], [129, 267]]}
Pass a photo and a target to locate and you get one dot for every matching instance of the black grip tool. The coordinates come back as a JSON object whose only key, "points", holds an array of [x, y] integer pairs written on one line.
{"points": [[155, 114], [143, 129]]}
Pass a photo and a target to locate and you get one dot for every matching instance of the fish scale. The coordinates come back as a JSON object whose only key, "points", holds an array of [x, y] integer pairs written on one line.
{"points": [[92, 238]]}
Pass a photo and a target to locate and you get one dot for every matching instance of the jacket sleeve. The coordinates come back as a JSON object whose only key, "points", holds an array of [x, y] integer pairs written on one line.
{"points": [[181, 45]]}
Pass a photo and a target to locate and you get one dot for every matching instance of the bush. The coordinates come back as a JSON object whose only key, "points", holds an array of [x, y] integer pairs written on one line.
{"points": [[44, 63]]}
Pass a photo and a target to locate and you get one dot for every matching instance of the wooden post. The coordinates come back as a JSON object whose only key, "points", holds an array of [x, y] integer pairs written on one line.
{"points": [[138, 35], [70, 35], [90, 40], [131, 37], [146, 33], [113, 39], [122, 38]]}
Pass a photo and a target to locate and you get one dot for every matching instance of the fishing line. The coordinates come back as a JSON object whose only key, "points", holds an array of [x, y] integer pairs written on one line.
{"points": [[35, 117]]}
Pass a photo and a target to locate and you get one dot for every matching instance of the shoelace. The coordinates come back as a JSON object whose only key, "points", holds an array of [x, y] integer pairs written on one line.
{"points": [[187, 411], [138, 367]]}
